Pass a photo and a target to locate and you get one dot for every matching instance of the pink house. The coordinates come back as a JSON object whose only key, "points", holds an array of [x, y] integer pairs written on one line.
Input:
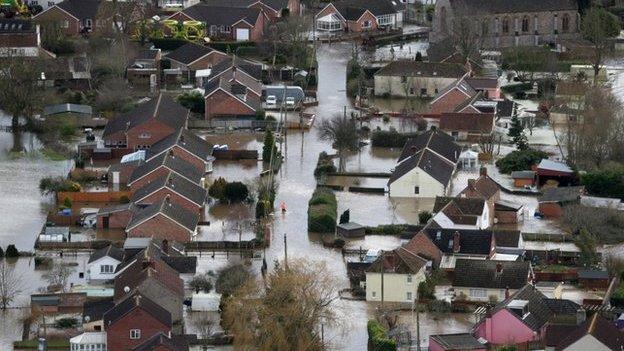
{"points": [[455, 342], [524, 316]]}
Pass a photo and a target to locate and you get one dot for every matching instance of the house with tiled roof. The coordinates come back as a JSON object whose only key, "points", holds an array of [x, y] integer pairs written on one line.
{"points": [[164, 342], [596, 333], [360, 15], [402, 272], [186, 145], [115, 216], [191, 58], [164, 220], [153, 278], [72, 16], [450, 97], [172, 253], [226, 23], [147, 124], [160, 166], [471, 127], [133, 320], [524, 316], [425, 166], [455, 342], [486, 280], [461, 213], [406, 78], [103, 263], [273, 9], [179, 190], [510, 23]]}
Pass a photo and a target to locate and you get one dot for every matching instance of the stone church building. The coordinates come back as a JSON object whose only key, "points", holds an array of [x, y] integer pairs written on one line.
{"points": [[506, 23]]}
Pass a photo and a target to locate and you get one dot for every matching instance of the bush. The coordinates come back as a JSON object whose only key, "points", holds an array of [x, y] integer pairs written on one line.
{"points": [[605, 183], [201, 282], [322, 211], [66, 323], [53, 185], [193, 101], [124, 199], [424, 217], [324, 165], [345, 217], [11, 252], [236, 192], [387, 229], [67, 203], [520, 160], [377, 337], [217, 189], [232, 277], [390, 138]]}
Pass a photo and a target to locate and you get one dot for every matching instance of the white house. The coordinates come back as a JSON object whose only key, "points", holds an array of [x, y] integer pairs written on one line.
{"points": [[414, 78], [92, 341], [462, 213], [425, 167], [403, 272], [103, 263]]}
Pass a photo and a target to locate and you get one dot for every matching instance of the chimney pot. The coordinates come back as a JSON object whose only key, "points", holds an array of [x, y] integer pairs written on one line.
{"points": [[483, 171], [472, 182]]}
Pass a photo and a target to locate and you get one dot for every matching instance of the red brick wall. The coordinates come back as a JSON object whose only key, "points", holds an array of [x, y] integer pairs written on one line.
{"points": [[209, 60], [118, 334], [448, 102], [114, 139], [156, 129], [190, 158], [161, 228], [422, 245], [506, 217], [159, 172], [520, 183], [550, 209], [221, 103], [18, 39], [271, 14], [55, 14], [326, 11], [116, 220], [358, 26], [175, 198], [257, 32]]}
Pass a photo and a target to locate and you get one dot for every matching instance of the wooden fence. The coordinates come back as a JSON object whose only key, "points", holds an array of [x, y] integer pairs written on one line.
{"points": [[94, 196], [76, 245]]}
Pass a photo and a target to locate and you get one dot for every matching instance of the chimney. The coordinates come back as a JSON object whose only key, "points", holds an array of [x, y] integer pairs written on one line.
{"points": [[456, 246], [165, 246], [483, 171], [507, 294], [170, 181], [137, 299], [499, 268], [168, 200], [472, 183], [413, 148], [148, 263], [182, 139], [171, 153]]}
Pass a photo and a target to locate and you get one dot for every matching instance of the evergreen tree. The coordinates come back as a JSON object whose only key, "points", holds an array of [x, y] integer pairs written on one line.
{"points": [[516, 133], [345, 217], [11, 251], [268, 149]]}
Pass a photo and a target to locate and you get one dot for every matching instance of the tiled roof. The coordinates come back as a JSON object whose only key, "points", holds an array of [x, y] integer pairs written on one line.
{"points": [[81, 9], [352, 10], [562, 194], [252, 69], [133, 302], [467, 122], [161, 341], [471, 242], [110, 251], [172, 163], [507, 237], [482, 83], [222, 15], [421, 69], [276, 5], [399, 261], [186, 140], [485, 186], [462, 341], [506, 108], [606, 333], [174, 212], [189, 53], [433, 164], [483, 274], [147, 54], [95, 309], [460, 210], [175, 184], [148, 268], [116, 208], [460, 85], [504, 6], [435, 140]]}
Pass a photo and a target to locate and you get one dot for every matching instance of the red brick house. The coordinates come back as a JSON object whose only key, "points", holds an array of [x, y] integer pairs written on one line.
{"points": [[180, 191], [227, 23], [190, 58], [360, 15], [467, 126], [186, 145], [552, 200], [160, 166], [163, 342], [451, 97], [164, 220], [273, 9], [20, 38], [134, 320], [72, 16], [147, 124], [115, 217]]}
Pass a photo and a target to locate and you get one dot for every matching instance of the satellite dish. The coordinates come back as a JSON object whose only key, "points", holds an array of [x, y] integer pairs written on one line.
{"points": [[156, 18], [87, 319], [127, 289]]}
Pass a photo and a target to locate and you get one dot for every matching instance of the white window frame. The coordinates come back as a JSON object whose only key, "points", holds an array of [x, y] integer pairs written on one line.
{"points": [[369, 22], [65, 24], [107, 269], [478, 293], [409, 296], [135, 334], [409, 279]]}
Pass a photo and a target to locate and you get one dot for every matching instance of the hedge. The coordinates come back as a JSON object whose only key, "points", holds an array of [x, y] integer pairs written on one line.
{"points": [[390, 138], [167, 44], [322, 211], [520, 160], [324, 165], [377, 337]]}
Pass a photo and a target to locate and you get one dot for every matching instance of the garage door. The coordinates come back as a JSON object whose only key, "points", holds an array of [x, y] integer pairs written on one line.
{"points": [[242, 34]]}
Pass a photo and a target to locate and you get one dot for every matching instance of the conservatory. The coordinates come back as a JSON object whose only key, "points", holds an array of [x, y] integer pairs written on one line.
{"points": [[330, 23]]}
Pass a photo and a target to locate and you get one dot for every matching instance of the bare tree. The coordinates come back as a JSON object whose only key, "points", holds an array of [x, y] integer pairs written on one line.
{"points": [[10, 284], [341, 131], [487, 143], [287, 312], [599, 26], [59, 275], [202, 322], [466, 36]]}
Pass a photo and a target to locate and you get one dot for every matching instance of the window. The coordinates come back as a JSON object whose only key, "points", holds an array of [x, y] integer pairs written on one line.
{"points": [[65, 24], [409, 278], [135, 334], [409, 296], [455, 135], [227, 29], [478, 293], [88, 23], [416, 190], [525, 24], [505, 25], [145, 135], [385, 20], [435, 91], [565, 23], [374, 294], [423, 91], [367, 24], [411, 91], [107, 269]]}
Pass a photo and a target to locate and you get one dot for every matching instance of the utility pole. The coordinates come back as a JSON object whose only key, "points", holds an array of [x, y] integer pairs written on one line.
{"points": [[285, 251], [382, 284], [417, 324]]}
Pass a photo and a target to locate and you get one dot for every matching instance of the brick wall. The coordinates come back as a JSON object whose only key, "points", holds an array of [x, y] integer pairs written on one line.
{"points": [[222, 104], [116, 220], [550, 209], [358, 26], [520, 183], [153, 129], [18, 39], [161, 228], [55, 14], [159, 172], [506, 217], [118, 334], [175, 198]]}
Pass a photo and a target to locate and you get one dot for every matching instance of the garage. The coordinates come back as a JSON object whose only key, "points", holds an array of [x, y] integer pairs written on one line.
{"points": [[242, 34]]}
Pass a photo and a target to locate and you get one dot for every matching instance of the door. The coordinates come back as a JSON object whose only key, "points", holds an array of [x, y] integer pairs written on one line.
{"points": [[105, 222], [242, 34], [115, 177]]}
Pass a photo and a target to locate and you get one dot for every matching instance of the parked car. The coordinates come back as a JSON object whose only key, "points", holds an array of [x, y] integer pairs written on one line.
{"points": [[271, 101], [290, 102]]}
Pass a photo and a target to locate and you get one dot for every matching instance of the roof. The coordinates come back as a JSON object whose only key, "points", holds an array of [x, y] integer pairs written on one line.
{"points": [[461, 341], [136, 243], [15, 26], [169, 209], [435, 140], [598, 327], [115, 208], [63, 108], [399, 261], [422, 69], [353, 9], [142, 271], [550, 165], [460, 210], [561, 194], [147, 54], [252, 69], [483, 274], [189, 53], [276, 5], [109, 251], [502, 205], [468, 122], [503, 6], [592, 274], [523, 174], [471, 242], [81, 9], [237, 91], [222, 15], [95, 309], [132, 302], [163, 109], [460, 85], [507, 237], [172, 163], [505, 108], [182, 264], [88, 338], [172, 183], [433, 164], [482, 83], [484, 186], [160, 339]]}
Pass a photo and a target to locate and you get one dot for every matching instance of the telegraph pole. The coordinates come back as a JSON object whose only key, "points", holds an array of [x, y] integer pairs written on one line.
{"points": [[285, 251]]}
